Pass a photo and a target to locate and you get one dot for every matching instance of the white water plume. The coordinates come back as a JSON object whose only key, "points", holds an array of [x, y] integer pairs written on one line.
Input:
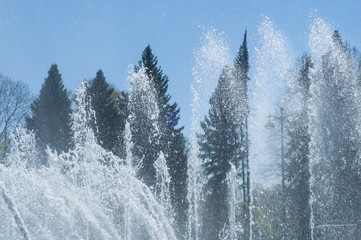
{"points": [[273, 67], [82, 194], [210, 59]]}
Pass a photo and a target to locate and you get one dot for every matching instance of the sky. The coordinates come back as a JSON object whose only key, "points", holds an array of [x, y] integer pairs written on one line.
{"points": [[83, 36]]}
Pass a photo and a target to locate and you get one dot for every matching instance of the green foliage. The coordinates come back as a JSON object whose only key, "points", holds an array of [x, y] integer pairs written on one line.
{"points": [[224, 141], [51, 114], [109, 113], [170, 140], [241, 72], [241, 62], [220, 146], [217, 149]]}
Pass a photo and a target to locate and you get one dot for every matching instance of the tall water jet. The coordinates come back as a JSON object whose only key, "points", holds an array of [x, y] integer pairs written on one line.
{"points": [[319, 41], [143, 107], [272, 72], [334, 124], [211, 57], [273, 62]]}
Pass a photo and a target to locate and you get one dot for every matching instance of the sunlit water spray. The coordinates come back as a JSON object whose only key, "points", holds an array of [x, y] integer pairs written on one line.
{"points": [[319, 41], [142, 98], [210, 58], [273, 63], [77, 196], [272, 71], [340, 83]]}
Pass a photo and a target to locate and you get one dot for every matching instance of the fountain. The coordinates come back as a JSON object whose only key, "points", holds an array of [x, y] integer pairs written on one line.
{"points": [[89, 193], [77, 196]]}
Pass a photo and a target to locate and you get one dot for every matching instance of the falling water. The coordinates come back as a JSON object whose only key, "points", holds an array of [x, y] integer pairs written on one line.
{"points": [[142, 94], [77, 196]]}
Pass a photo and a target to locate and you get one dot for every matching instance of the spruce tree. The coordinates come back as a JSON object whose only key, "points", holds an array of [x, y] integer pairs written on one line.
{"points": [[51, 114], [219, 148], [224, 142], [109, 113], [241, 65], [171, 140]]}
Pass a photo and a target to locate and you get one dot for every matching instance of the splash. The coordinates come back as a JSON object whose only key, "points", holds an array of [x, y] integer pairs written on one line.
{"points": [[82, 194]]}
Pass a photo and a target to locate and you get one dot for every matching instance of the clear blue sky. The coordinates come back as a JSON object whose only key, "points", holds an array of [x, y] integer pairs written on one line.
{"points": [[82, 36]]}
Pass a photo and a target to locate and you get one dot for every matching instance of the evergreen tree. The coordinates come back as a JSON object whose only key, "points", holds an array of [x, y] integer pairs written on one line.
{"points": [[219, 148], [144, 128], [109, 113], [241, 72], [177, 160], [224, 142], [51, 119], [170, 140], [298, 155]]}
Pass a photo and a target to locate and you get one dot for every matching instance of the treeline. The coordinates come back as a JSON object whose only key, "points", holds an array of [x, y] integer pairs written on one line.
{"points": [[49, 117], [322, 171]]}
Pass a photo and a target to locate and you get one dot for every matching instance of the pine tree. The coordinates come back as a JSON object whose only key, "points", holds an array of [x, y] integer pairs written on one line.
{"points": [[298, 155], [51, 119], [109, 113], [171, 140]]}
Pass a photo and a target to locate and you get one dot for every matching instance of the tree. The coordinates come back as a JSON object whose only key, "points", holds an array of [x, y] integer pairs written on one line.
{"points": [[15, 98], [170, 140], [223, 143], [109, 113], [241, 66], [219, 148], [177, 160], [298, 155], [51, 119]]}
